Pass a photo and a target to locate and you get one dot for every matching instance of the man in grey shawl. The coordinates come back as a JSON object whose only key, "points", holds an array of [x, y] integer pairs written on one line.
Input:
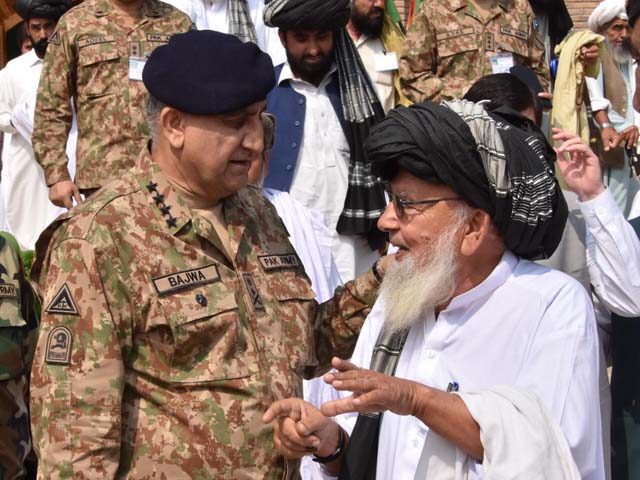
{"points": [[484, 363]]}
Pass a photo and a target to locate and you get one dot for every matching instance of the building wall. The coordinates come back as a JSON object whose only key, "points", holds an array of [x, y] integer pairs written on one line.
{"points": [[580, 11]]}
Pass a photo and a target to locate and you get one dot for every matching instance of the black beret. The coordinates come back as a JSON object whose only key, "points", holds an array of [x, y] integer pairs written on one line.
{"points": [[205, 72]]}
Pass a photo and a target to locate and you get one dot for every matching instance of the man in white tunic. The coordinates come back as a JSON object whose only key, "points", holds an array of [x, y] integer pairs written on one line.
{"points": [[28, 210], [463, 314], [324, 103], [612, 100]]}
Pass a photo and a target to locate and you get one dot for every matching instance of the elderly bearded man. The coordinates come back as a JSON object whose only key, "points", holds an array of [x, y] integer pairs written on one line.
{"points": [[473, 197], [175, 308], [611, 100]]}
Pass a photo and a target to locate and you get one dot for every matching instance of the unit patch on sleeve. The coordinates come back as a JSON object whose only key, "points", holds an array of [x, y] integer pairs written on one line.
{"points": [[55, 38], [58, 350], [186, 278], [275, 262], [63, 303]]}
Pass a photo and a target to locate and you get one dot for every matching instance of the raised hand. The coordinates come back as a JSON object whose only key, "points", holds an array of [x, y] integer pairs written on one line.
{"points": [[372, 391], [578, 165]]}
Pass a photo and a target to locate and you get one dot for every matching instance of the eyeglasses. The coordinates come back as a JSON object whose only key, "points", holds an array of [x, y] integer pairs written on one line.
{"points": [[399, 203]]}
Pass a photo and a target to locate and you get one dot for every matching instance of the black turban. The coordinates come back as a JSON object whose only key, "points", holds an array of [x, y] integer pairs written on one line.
{"points": [[633, 11], [53, 9], [320, 15], [186, 73], [496, 166]]}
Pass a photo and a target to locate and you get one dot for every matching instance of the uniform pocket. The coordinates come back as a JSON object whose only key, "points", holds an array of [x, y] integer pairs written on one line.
{"points": [[296, 301], [98, 74], [453, 42], [208, 340]]}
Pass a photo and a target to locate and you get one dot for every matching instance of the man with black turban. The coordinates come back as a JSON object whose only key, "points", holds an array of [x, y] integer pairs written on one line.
{"points": [[325, 103], [175, 310], [463, 311]]}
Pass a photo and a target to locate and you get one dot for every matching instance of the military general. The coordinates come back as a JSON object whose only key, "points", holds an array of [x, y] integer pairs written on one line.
{"points": [[95, 60], [175, 310], [452, 43]]}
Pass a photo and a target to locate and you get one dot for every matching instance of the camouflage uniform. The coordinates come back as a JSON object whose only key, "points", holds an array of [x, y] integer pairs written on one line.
{"points": [[449, 46], [88, 59], [18, 336], [158, 353]]}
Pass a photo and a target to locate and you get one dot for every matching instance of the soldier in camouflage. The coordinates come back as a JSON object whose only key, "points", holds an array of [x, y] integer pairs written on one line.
{"points": [[176, 309], [18, 336], [453, 43], [95, 57]]}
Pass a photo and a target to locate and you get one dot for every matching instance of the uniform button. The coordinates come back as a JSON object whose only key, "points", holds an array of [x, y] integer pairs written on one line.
{"points": [[431, 354], [300, 101], [202, 300], [297, 123], [294, 145], [288, 168]]}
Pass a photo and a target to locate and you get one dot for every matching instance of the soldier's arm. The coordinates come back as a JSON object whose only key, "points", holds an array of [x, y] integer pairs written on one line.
{"points": [[418, 61], [53, 115], [338, 321], [538, 61], [78, 373]]}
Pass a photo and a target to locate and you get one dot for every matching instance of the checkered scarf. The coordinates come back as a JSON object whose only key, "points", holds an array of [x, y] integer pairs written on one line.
{"points": [[240, 23], [365, 200], [361, 453]]}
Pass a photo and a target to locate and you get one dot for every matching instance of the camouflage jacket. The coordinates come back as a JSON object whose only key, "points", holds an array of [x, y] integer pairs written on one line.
{"points": [[88, 60], [18, 336], [449, 46], [159, 354]]}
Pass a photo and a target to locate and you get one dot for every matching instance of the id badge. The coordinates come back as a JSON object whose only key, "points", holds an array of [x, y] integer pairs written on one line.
{"points": [[136, 64], [385, 62], [501, 63]]}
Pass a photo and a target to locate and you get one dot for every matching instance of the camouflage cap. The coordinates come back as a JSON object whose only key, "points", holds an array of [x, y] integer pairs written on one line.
{"points": [[207, 72]]}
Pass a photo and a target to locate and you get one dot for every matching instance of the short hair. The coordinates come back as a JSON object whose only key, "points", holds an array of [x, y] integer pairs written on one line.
{"points": [[504, 89], [152, 109], [269, 127], [21, 33]]}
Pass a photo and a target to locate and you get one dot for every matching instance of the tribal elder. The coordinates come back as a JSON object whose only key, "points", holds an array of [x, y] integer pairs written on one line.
{"points": [[506, 380], [175, 310]]}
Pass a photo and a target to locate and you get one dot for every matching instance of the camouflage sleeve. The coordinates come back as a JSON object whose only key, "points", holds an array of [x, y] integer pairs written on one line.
{"points": [[537, 58], [17, 327], [417, 67], [53, 115], [78, 373], [338, 321]]}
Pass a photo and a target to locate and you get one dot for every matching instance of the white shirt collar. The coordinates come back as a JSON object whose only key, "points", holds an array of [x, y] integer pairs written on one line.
{"points": [[31, 58], [287, 74], [498, 276]]}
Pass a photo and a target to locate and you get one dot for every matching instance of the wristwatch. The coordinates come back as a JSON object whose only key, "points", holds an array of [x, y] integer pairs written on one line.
{"points": [[336, 453], [606, 125]]}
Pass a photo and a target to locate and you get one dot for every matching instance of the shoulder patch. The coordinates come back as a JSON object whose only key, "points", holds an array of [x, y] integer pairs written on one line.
{"points": [[58, 349], [55, 38], [63, 303]]}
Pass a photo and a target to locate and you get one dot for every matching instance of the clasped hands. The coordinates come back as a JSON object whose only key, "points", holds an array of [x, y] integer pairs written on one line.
{"points": [[301, 429]]}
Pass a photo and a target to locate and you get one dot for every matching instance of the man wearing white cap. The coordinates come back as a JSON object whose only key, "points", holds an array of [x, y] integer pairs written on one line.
{"points": [[611, 100]]}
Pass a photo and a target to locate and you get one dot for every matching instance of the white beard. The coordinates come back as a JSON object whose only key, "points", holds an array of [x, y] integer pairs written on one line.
{"points": [[415, 286], [619, 54]]}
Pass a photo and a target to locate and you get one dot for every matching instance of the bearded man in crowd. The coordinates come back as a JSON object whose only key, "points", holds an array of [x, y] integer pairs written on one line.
{"points": [[463, 311], [611, 100]]}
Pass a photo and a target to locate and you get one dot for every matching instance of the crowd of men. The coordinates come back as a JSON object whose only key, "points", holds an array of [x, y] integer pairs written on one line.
{"points": [[317, 239]]}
